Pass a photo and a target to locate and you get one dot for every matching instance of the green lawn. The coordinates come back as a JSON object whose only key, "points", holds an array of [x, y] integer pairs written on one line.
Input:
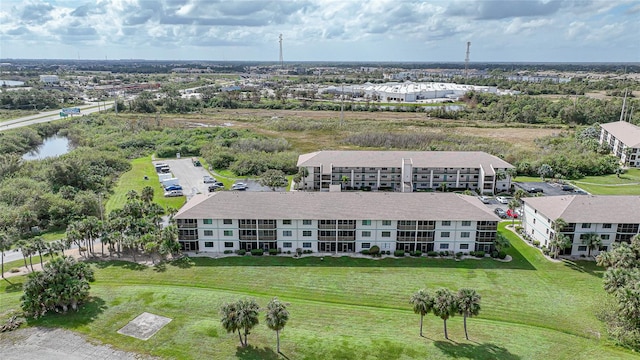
{"points": [[345, 308], [626, 184], [134, 180]]}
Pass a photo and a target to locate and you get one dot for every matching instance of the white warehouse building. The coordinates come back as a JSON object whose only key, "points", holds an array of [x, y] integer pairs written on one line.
{"points": [[413, 92]]}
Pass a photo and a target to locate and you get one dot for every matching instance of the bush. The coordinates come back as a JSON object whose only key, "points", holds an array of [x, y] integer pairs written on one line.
{"points": [[298, 251], [432, 253], [536, 243], [494, 254], [388, 252], [307, 252], [365, 252], [398, 253], [228, 251], [257, 252], [273, 251], [502, 255], [479, 254], [288, 252], [459, 254], [241, 252], [14, 270], [374, 250], [416, 253], [545, 250]]}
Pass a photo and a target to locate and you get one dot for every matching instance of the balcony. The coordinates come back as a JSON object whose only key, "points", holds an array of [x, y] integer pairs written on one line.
{"points": [[327, 226], [187, 225], [346, 226], [266, 226], [247, 226], [406, 227], [188, 237]]}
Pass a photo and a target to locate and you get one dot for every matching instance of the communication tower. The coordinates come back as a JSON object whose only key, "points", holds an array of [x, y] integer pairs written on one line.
{"points": [[281, 59], [466, 61]]}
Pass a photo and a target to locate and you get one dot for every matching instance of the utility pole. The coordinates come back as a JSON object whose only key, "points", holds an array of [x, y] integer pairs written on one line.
{"points": [[281, 58], [466, 61], [342, 106]]}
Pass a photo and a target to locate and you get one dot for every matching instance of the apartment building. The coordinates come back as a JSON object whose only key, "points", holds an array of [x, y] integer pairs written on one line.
{"points": [[613, 218], [624, 140], [335, 222], [405, 171]]}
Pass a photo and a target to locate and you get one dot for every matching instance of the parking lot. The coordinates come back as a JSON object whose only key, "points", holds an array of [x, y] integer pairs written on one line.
{"points": [[549, 189]]}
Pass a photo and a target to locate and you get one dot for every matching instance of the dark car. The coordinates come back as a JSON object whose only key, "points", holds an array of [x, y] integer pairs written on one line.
{"points": [[501, 213], [567, 188], [173, 187], [534, 190], [216, 186]]}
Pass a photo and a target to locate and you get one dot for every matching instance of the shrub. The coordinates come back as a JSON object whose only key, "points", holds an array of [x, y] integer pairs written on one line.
{"points": [[374, 250], [298, 251], [365, 252], [502, 255], [459, 254], [416, 253], [494, 254], [545, 250], [241, 252], [536, 243], [518, 229], [432, 253], [388, 252], [288, 252], [228, 251], [14, 270], [307, 251], [273, 251], [257, 252], [479, 254], [398, 253]]}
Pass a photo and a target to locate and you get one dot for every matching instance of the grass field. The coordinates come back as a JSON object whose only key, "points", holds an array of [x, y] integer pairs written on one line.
{"points": [[626, 184], [345, 308], [134, 180]]}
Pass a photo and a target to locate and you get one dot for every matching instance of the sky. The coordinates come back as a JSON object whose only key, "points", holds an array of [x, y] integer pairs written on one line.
{"points": [[323, 30]]}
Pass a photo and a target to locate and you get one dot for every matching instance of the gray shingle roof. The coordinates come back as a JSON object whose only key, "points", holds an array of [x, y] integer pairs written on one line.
{"points": [[589, 208], [339, 205], [626, 132], [420, 159]]}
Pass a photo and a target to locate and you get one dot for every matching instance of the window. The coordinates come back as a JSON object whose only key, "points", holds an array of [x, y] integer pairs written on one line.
{"points": [[444, 246], [228, 233], [606, 226], [582, 248], [386, 222], [445, 234], [446, 223], [464, 234], [366, 234], [228, 244], [208, 233], [366, 245], [286, 245], [306, 245], [208, 244], [605, 236], [534, 221], [386, 234], [227, 221], [207, 221], [286, 233], [306, 222], [306, 233], [586, 225], [464, 246], [366, 222], [286, 222], [466, 223]]}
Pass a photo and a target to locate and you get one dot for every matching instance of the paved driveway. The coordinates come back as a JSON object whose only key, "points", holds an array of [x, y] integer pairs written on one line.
{"points": [[550, 189]]}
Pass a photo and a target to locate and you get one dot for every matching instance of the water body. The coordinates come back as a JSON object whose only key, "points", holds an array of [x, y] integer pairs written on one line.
{"points": [[11, 83], [51, 147]]}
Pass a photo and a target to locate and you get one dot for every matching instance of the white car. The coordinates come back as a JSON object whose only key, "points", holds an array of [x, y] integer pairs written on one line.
{"points": [[484, 199], [502, 199], [209, 180], [173, 193], [239, 186]]}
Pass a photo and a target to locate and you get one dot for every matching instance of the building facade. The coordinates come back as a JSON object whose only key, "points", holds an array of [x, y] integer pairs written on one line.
{"points": [[624, 140], [613, 218], [335, 222], [405, 171]]}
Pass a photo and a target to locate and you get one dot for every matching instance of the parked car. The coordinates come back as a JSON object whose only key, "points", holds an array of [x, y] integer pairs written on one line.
{"points": [[484, 199], [501, 213], [173, 193], [534, 190], [567, 188], [216, 186], [173, 187], [239, 186], [502, 199], [209, 180]]}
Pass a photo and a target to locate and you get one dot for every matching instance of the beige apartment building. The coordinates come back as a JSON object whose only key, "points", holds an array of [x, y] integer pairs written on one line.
{"points": [[333, 222], [624, 140], [405, 171]]}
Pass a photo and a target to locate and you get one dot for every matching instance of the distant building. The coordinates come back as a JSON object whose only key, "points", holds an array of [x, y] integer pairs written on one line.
{"points": [[613, 218], [405, 171], [335, 222], [412, 92], [624, 140], [49, 79]]}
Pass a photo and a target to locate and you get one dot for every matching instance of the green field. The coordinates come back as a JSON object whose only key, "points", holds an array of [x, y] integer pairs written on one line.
{"points": [[134, 180], [627, 184], [347, 308]]}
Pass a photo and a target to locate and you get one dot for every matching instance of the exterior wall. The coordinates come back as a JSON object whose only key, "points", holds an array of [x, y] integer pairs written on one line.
{"points": [[619, 149], [218, 235]]}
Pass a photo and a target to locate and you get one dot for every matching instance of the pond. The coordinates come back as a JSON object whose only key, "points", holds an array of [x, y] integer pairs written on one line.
{"points": [[51, 147]]}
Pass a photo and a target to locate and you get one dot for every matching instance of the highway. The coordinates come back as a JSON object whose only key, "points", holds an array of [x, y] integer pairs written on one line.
{"points": [[52, 115]]}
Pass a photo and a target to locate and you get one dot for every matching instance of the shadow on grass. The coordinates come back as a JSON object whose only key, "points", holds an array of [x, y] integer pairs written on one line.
{"points": [[160, 267], [86, 314], [584, 266], [184, 262], [118, 263], [473, 351], [13, 287], [251, 352]]}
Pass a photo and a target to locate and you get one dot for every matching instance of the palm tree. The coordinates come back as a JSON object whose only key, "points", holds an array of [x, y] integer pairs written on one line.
{"points": [[277, 317], [5, 244], [501, 242], [445, 306], [40, 247], [147, 194], [545, 170], [513, 204], [559, 240], [468, 305], [593, 241], [422, 303], [248, 311], [229, 317]]}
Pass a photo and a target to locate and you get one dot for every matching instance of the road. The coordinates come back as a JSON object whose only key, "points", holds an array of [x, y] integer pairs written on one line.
{"points": [[51, 116]]}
